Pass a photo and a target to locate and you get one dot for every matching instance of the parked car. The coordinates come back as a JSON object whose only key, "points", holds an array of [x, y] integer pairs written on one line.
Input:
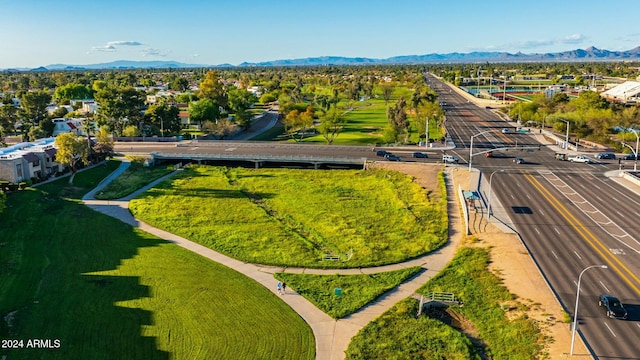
{"points": [[560, 156], [609, 156], [381, 153], [449, 159], [580, 159], [419, 155], [612, 306], [392, 157], [519, 160], [505, 131]]}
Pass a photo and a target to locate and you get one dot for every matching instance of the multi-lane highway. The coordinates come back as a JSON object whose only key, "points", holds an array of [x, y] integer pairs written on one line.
{"points": [[570, 216]]}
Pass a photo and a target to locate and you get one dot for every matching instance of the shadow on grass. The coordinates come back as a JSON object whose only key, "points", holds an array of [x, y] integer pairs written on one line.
{"points": [[53, 245]]}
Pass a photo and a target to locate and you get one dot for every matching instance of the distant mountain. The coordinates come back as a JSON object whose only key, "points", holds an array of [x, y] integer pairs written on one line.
{"points": [[578, 55], [125, 64]]}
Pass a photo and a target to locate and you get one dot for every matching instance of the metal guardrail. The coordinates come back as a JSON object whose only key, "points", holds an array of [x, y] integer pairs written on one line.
{"points": [[262, 157]]}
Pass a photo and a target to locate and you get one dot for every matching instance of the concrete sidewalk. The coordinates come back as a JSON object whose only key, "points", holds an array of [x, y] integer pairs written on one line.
{"points": [[332, 336]]}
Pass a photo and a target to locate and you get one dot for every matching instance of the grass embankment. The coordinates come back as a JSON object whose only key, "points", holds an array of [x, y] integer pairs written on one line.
{"points": [[108, 291], [293, 217], [136, 176], [505, 330], [355, 291]]}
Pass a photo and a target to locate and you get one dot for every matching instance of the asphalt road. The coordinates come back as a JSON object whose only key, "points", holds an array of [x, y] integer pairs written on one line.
{"points": [[570, 216]]}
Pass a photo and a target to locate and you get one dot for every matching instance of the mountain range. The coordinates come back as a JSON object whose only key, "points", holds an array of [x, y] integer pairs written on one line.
{"points": [[579, 55]]}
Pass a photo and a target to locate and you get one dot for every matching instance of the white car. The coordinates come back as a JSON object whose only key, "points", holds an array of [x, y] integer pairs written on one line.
{"points": [[449, 159], [580, 159], [505, 131]]}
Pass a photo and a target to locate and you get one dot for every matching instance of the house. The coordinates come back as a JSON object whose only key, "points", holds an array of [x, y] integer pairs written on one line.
{"points": [[65, 125], [29, 160]]}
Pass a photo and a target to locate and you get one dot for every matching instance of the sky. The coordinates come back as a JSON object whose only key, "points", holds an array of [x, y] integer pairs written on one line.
{"points": [[42, 32]]}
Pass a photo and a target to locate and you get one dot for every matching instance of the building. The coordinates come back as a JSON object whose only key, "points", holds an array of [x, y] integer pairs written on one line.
{"points": [[626, 93], [29, 161], [65, 125]]}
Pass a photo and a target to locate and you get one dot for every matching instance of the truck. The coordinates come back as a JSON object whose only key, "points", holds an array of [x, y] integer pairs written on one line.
{"points": [[580, 159]]}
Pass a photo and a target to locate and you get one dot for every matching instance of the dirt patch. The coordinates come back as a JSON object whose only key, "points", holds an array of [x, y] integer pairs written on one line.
{"points": [[511, 263]]}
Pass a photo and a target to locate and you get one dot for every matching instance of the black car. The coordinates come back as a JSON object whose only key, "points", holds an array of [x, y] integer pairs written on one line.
{"points": [[392, 157], [629, 157], [612, 306], [609, 156], [419, 155], [381, 153]]}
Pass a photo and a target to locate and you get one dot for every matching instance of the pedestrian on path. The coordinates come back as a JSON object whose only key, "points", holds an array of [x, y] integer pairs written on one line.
{"points": [[284, 287], [279, 286]]}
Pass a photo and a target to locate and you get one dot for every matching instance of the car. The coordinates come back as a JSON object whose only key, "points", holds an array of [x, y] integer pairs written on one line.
{"points": [[560, 156], [519, 160], [580, 159], [505, 131], [488, 154], [381, 153], [449, 159], [612, 306], [392, 157], [605, 155], [419, 155], [629, 157]]}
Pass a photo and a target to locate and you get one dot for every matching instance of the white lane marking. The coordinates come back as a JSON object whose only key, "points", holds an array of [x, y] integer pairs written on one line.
{"points": [[599, 198], [638, 325], [536, 229], [528, 197], [557, 230], [612, 333], [619, 213], [556, 256], [615, 199], [575, 252], [541, 212], [230, 149], [604, 287], [512, 197]]}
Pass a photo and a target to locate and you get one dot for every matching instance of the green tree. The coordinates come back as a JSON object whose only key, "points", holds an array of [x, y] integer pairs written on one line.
{"points": [[104, 144], [204, 110], [72, 91], [72, 151], [163, 117], [8, 118], [212, 88], [34, 106], [179, 84], [131, 131], [119, 107], [332, 122]]}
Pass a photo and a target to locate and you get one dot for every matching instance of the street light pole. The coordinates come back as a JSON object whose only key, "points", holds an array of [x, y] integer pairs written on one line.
{"points": [[471, 146], [575, 314], [426, 134], [489, 201], [566, 144]]}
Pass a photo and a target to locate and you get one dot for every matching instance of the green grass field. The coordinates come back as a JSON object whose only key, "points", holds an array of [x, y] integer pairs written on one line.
{"points": [[354, 291], [295, 217], [398, 334], [136, 176], [108, 291]]}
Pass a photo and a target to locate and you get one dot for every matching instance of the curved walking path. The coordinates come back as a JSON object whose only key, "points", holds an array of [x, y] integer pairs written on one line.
{"points": [[332, 336]]}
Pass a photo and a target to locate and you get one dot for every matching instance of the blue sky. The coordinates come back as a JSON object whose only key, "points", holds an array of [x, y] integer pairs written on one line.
{"points": [[42, 32]]}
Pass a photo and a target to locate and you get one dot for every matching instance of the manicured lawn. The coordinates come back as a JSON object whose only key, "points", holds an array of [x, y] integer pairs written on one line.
{"points": [[355, 291], [108, 291], [397, 334], [295, 217], [136, 176]]}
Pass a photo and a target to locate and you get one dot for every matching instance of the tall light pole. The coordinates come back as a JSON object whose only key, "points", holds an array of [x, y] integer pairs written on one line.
{"points": [[575, 314], [471, 146], [489, 201], [426, 134], [635, 162], [566, 144]]}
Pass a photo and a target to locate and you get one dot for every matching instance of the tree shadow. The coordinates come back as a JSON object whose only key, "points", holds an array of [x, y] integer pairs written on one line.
{"points": [[52, 293]]}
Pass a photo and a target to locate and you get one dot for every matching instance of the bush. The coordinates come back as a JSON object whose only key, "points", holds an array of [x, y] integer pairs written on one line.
{"points": [[22, 185]]}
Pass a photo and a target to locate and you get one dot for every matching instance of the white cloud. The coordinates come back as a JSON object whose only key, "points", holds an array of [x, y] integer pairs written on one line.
{"points": [[106, 48], [123, 43], [573, 39]]}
